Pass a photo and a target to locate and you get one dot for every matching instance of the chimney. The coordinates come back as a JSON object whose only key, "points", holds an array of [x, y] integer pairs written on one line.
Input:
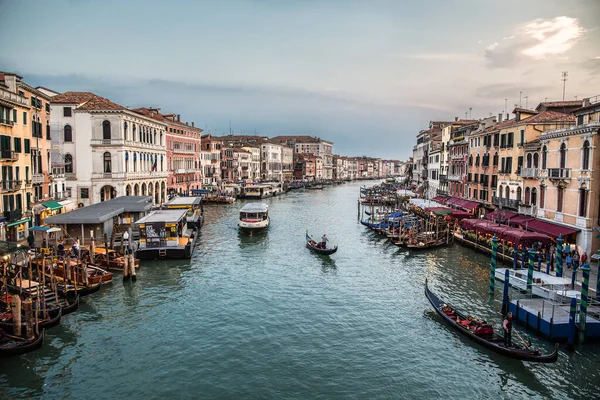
{"points": [[192, 124], [178, 118], [499, 117], [455, 118]]}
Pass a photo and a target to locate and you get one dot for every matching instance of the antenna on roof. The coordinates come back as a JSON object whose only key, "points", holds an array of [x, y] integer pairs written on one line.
{"points": [[470, 109], [526, 102], [520, 93]]}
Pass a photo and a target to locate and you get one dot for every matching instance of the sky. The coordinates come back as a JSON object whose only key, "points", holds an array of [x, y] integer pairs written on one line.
{"points": [[367, 75]]}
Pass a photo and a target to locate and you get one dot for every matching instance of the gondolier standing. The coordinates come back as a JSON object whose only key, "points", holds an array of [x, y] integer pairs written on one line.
{"points": [[324, 241], [508, 330]]}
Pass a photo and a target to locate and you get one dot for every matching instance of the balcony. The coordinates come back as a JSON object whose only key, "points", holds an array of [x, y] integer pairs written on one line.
{"points": [[14, 215], [559, 173], [513, 204], [38, 179], [6, 122], [529, 173], [14, 98], [454, 177], [443, 178], [11, 186], [8, 155]]}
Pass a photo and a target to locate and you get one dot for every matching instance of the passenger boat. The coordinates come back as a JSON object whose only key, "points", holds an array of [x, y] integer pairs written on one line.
{"points": [[111, 259], [316, 187], [254, 217], [314, 246], [483, 333], [193, 205], [165, 234], [14, 346]]}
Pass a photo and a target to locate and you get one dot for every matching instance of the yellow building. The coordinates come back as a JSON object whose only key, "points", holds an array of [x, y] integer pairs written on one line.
{"points": [[570, 177], [16, 127]]}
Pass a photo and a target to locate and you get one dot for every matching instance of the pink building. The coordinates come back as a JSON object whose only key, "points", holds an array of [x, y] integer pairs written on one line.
{"points": [[183, 151]]}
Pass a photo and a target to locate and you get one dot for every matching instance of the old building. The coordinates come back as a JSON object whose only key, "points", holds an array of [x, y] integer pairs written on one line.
{"points": [[311, 145], [210, 160], [108, 150]]}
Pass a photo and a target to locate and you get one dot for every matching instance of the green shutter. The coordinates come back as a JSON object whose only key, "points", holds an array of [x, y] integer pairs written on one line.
{"points": [[15, 115], [27, 148], [17, 144]]}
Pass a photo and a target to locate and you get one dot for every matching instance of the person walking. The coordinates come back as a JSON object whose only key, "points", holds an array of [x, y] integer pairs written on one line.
{"points": [[576, 260], [584, 258], [569, 260], [508, 330]]}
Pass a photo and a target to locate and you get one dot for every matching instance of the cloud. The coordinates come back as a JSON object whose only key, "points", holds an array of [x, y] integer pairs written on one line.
{"points": [[437, 56], [501, 91], [536, 40]]}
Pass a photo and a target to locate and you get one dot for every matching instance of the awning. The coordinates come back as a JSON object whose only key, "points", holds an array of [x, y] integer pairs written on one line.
{"points": [[439, 198], [469, 205], [500, 215], [52, 205], [461, 214], [38, 208], [46, 229], [520, 220], [550, 229], [19, 222], [452, 200]]}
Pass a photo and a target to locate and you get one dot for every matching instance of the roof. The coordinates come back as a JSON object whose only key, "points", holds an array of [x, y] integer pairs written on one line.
{"points": [[297, 139], [524, 110], [548, 116], [72, 97], [184, 201], [556, 104], [100, 103], [255, 207], [166, 216], [103, 211]]}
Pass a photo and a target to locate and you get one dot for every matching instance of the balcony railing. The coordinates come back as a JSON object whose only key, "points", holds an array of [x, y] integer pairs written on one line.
{"points": [[559, 173], [529, 173], [38, 178], [513, 204], [8, 155], [11, 186], [454, 177], [14, 215], [6, 122], [14, 98]]}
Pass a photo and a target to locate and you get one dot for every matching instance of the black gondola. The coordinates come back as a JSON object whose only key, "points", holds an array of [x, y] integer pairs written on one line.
{"points": [[312, 245], [484, 335], [45, 324], [69, 307], [13, 346], [73, 291]]}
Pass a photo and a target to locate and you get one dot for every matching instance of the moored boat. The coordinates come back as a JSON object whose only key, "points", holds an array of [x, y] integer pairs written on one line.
{"points": [[14, 346], [111, 259], [483, 333], [316, 247], [254, 217], [164, 234], [7, 325]]}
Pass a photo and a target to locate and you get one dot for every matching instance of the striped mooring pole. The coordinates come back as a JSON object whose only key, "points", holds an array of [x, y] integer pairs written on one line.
{"points": [[559, 256], [505, 292], [493, 265], [572, 326], [584, 301], [530, 271], [515, 256]]}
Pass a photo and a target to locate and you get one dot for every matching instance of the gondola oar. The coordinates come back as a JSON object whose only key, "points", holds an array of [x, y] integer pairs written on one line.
{"points": [[522, 340]]}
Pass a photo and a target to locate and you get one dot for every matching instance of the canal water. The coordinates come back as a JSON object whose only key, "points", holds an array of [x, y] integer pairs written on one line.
{"points": [[262, 317]]}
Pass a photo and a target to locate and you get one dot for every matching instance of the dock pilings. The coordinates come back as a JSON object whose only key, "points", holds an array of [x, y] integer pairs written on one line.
{"points": [[559, 256]]}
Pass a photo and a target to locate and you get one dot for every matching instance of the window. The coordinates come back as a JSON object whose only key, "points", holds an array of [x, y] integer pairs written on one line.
{"points": [[585, 156], [48, 131], [24, 118], [533, 196], [106, 130], [84, 193], [519, 193], [522, 137], [15, 115], [17, 144], [68, 164], [68, 133], [107, 163], [125, 130], [563, 156], [67, 113], [507, 192], [544, 157], [27, 146], [527, 195], [47, 107], [583, 202], [560, 199], [542, 196]]}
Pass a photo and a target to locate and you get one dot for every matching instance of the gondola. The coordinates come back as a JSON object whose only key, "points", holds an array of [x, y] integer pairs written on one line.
{"points": [[420, 245], [8, 326], [67, 307], [72, 291], [312, 245], [13, 346], [483, 333]]}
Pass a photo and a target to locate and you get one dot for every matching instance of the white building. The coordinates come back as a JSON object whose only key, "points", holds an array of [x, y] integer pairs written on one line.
{"points": [[108, 150], [271, 165], [311, 145], [254, 167]]}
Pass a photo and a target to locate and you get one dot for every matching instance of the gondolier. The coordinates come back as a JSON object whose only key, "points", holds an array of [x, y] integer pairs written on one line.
{"points": [[324, 241], [508, 330]]}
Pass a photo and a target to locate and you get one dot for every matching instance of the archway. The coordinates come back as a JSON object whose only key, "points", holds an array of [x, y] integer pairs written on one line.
{"points": [[144, 192], [157, 193], [128, 190], [136, 190], [163, 190], [108, 192]]}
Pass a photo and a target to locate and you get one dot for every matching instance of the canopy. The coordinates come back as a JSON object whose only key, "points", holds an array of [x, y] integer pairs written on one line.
{"points": [[461, 214], [46, 229], [500, 215], [438, 210], [519, 220], [439, 198], [467, 205], [52, 205], [505, 233], [451, 200], [550, 229]]}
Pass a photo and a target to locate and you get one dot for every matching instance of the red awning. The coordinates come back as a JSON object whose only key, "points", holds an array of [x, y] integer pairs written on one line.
{"points": [[461, 214], [439, 198], [550, 229], [452, 200], [497, 215], [520, 220], [469, 205]]}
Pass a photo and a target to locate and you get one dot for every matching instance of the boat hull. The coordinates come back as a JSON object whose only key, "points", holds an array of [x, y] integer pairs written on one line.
{"points": [[16, 347], [254, 226]]}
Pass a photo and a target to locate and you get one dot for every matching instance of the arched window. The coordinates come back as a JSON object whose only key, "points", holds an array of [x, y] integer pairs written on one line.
{"points": [[470, 160], [125, 130], [161, 142], [583, 202], [527, 195], [585, 156], [106, 130], [107, 163], [68, 133], [477, 160], [500, 191], [563, 156], [529, 160], [560, 199], [68, 164], [126, 161], [495, 159], [507, 192], [519, 193], [542, 196], [536, 160], [544, 157], [533, 196]]}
